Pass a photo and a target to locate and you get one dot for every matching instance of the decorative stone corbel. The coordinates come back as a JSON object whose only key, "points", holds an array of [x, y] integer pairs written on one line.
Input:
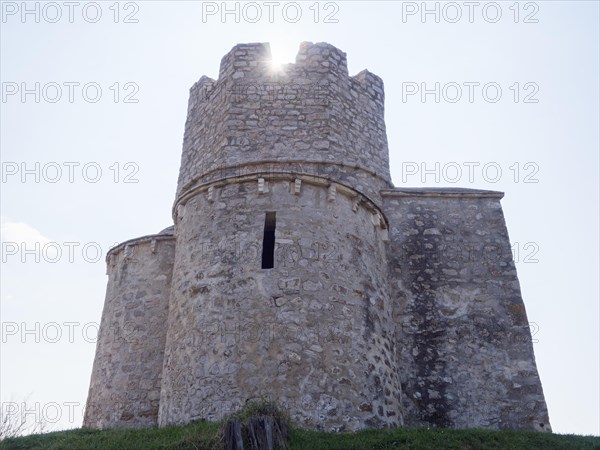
{"points": [[296, 186], [180, 211], [376, 219], [331, 193]]}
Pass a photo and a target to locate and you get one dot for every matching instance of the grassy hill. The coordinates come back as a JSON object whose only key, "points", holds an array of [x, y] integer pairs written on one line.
{"points": [[206, 436]]}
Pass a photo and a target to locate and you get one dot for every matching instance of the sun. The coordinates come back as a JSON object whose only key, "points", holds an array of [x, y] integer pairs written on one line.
{"points": [[281, 54], [276, 65]]}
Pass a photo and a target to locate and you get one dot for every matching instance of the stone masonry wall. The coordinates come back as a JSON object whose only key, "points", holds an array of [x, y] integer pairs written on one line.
{"points": [[463, 338], [125, 383], [310, 118], [315, 332]]}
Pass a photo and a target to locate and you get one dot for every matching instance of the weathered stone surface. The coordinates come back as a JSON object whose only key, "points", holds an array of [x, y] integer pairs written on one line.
{"points": [[315, 331], [308, 118], [297, 272], [125, 384], [463, 339]]}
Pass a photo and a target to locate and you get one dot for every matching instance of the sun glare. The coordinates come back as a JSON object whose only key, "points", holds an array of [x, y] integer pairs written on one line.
{"points": [[281, 55], [276, 65]]}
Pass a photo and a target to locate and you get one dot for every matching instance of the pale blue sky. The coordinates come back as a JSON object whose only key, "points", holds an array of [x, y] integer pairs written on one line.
{"points": [[170, 47]]}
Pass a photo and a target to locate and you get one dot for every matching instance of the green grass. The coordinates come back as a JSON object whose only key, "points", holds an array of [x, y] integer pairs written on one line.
{"points": [[206, 436]]}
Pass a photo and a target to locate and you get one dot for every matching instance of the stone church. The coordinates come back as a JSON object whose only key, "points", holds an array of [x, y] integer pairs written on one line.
{"points": [[297, 271]]}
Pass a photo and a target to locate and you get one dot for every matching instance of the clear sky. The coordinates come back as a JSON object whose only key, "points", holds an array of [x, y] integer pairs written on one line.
{"points": [[94, 159]]}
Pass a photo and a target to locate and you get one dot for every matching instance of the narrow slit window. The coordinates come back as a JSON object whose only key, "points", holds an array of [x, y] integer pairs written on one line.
{"points": [[268, 251]]}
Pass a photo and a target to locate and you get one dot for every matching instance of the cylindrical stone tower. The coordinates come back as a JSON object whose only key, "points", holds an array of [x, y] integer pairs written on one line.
{"points": [[280, 282], [125, 384]]}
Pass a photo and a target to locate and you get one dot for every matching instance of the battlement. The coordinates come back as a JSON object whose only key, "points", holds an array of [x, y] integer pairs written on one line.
{"points": [[310, 111], [322, 58], [254, 60], [246, 61]]}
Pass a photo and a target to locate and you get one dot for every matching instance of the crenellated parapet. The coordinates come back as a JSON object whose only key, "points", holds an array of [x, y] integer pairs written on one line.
{"points": [[310, 112]]}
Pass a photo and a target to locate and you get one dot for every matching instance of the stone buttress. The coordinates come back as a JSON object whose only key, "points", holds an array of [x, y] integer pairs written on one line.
{"points": [[464, 345]]}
